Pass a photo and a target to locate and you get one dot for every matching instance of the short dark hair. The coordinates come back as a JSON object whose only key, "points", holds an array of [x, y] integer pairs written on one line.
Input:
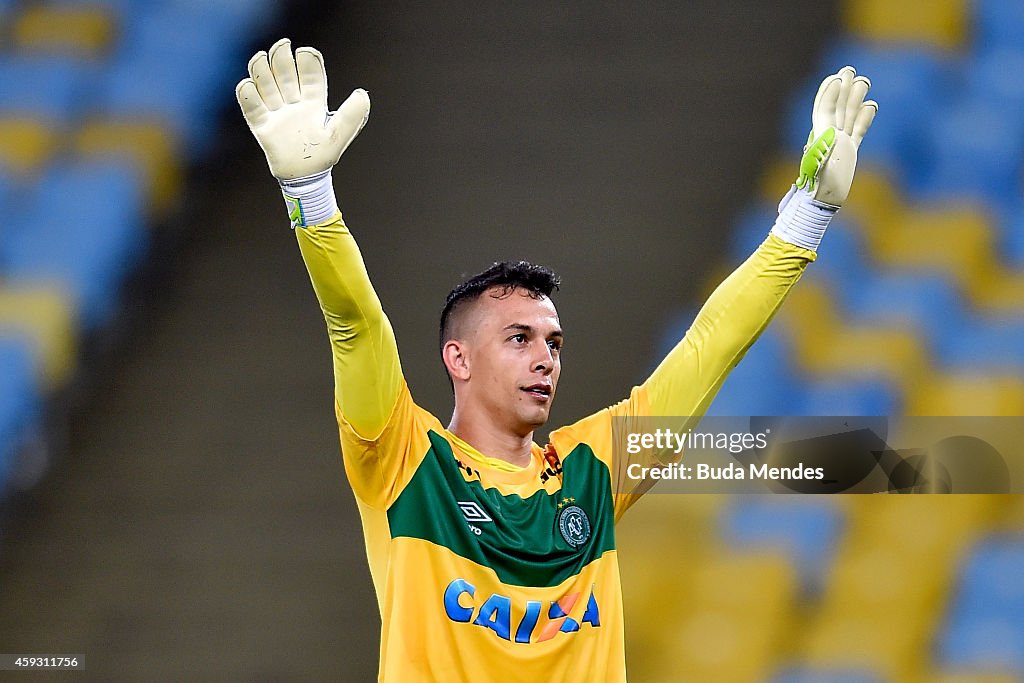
{"points": [[537, 280]]}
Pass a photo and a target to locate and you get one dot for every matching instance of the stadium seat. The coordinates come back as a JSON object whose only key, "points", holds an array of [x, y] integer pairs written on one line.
{"points": [[51, 88], [26, 145], [983, 345], [974, 151], [751, 228], [146, 145], [42, 314], [86, 231], [1011, 234], [825, 675], [20, 410], [966, 393], [84, 31], [828, 396], [983, 644], [875, 201], [926, 303], [972, 677], [189, 48], [806, 529], [866, 352], [938, 23], [999, 291], [848, 641], [762, 384], [992, 581], [885, 578], [998, 23], [985, 78], [843, 258], [729, 628], [952, 239]]}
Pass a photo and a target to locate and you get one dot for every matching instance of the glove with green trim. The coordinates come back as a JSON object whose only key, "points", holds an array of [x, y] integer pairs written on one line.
{"points": [[840, 119], [284, 101]]}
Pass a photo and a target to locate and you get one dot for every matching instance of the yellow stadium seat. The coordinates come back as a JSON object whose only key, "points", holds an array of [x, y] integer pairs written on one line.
{"points": [[875, 641], [952, 239], [725, 612], [82, 31], [44, 314], [780, 174], [885, 579], [896, 355], [26, 145], [998, 289], [809, 318], [940, 23], [717, 646], [967, 394], [150, 145], [874, 201]]}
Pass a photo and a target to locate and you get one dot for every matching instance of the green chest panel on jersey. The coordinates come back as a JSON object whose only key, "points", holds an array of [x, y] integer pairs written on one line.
{"points": [[539, 541]]}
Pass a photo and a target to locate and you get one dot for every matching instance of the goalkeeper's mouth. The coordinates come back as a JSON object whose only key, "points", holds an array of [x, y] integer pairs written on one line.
{"points": [[540, 392]]}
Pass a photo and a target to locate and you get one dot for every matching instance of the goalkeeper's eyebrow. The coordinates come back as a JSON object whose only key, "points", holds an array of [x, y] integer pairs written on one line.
{"points": [[528, 329]]}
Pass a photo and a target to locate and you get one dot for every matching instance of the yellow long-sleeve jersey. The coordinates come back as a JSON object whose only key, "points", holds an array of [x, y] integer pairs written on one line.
{"points": [[485, 571]]}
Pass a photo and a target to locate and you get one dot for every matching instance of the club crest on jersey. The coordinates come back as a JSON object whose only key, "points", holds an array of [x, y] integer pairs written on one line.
{"points": [[573, 523]]}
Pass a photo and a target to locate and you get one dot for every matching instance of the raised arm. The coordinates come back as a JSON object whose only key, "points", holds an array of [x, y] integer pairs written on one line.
{"points": [[742, 306], [284, 101]]}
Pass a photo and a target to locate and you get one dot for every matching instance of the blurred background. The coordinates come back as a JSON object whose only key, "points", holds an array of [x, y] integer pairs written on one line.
{"points": [[174, 504]]}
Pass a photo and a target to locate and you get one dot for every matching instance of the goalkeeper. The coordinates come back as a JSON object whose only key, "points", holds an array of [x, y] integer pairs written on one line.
{"points": [[490, 555]]}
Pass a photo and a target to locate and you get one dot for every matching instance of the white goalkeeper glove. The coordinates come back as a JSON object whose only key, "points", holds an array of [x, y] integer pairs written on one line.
{"points": [[284, 101], [840, 118]]}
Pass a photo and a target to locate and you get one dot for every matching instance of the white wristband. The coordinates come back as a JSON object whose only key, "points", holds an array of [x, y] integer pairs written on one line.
{"points": [[310, 200], [802, 219]]}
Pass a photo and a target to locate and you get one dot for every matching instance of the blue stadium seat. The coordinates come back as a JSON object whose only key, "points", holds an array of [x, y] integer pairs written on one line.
{"points": [[806, 529], [843, 256], [764, 382], [998, 23], [983, 644], [806, 675], [842, 396], [83, 226], [924, 301], [19, 401], [974, 151], [750, 229], [53, 88], [173, 57], [985, 77], [984, 345], [985, 630], [992, 580], [1011, 232]]}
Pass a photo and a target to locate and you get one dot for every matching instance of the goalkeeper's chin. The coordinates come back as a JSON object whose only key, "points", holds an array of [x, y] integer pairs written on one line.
{"points": [[534, 411]]}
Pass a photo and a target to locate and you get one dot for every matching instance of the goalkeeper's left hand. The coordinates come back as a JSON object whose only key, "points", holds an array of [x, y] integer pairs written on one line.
{"points": [[840, 119]]}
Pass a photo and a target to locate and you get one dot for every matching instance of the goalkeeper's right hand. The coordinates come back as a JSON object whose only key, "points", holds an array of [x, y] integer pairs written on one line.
{"points": [[840, 118], [284, 101]]}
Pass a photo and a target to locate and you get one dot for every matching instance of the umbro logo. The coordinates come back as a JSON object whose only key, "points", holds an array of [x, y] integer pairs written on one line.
{"points": [[473, 512]]}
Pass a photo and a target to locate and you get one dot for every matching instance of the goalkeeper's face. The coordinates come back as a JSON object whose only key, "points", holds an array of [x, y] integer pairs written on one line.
{"points": [[513, 356]]}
